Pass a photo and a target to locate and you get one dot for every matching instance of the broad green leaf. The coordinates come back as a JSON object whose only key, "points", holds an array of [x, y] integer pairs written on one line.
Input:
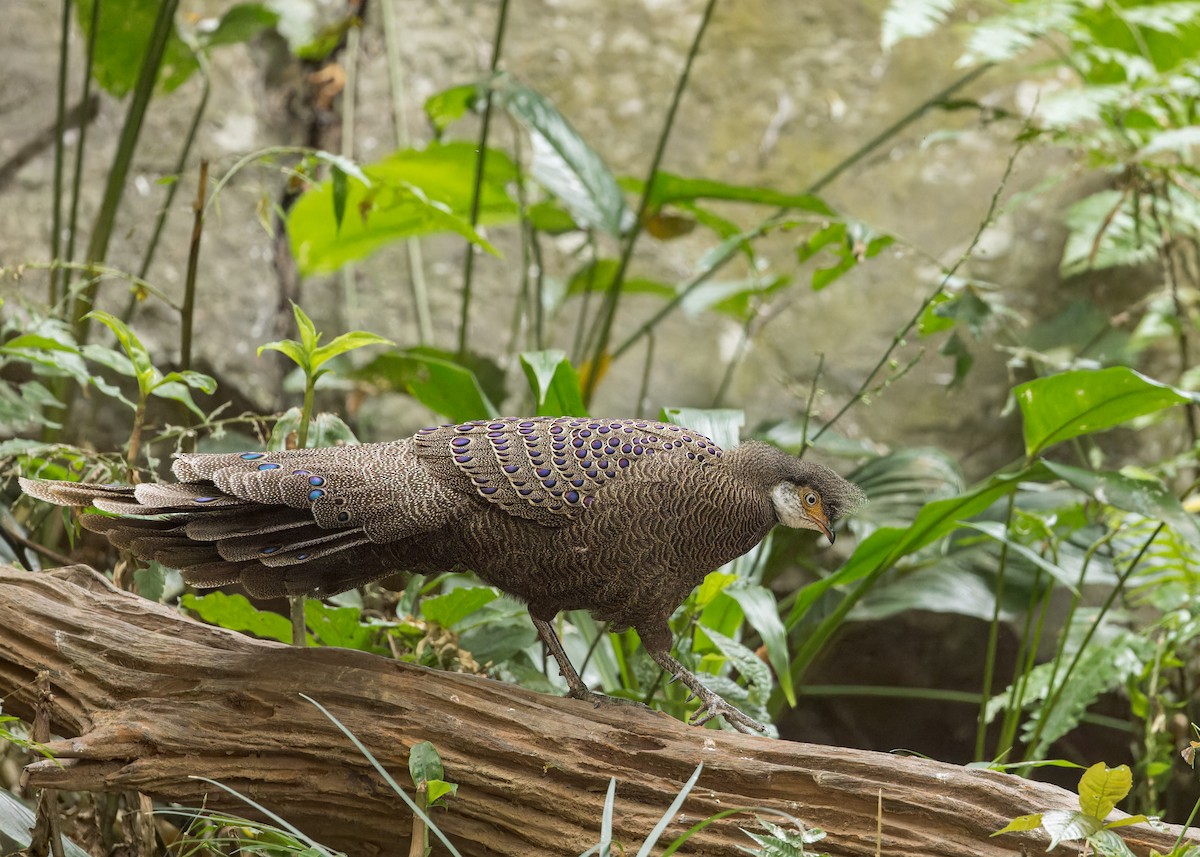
{"points": [[1068, 826], [1087, 401], [753, 670], [17, 822], [308, 331], [714, 583], [1147, 497], [1107, 843], [122, 36], [412, 192], [435, 790], [997, 531], [195, 380], [236, 613], [723, 426], [149, 581], [424, 763], [554, 383], [1101, 788], [346, 342], [434, 379], [450, 105], [935, 589], [723, 615], [762, 612], [1020, 823], [134, 349], [850, 241], [452, 607], [177, 392], [672, 188], [564, 163], [340, 626], [289, 347], [240, 23]]}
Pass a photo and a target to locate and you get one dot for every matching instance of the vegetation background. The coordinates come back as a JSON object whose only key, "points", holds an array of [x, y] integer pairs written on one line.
{"points": [[925, 243]]}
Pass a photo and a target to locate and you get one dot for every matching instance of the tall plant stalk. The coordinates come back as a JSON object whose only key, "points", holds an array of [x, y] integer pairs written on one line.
{"points": [[464, 322], [612, 298], [60, 127], [106, 217]]}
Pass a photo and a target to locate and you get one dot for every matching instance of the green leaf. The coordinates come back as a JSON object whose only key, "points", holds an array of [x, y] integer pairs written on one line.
{"points": [[290, 347], [340, 626], [236, 613], [762, 612], [195, 380], [411, 192], [177, 392], [337, 182], [554, 383], [122, 37], [1067, 826], [240, 23], [452, 607], [1021, 823], [424, 763], [149, 581], [1101, 788], [1142, 496], [672, 188], [450, 105], [564, 163], [1087, 401], [17, 822], [434, 379], [723, 426], [133, 347], [346, 342], [435, 790], [736, 298], [996, 530]]}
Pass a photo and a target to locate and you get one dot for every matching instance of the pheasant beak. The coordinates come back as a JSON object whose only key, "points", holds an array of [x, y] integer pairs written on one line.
{"points": [[823, 525]]}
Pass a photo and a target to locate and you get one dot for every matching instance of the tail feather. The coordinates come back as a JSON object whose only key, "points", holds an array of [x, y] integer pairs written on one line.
{"points": [[73, 493]]}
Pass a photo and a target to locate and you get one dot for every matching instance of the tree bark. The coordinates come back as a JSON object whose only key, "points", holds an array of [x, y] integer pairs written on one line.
{"points": [[154, 699]]}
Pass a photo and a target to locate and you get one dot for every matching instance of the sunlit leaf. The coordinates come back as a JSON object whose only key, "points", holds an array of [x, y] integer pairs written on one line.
{"points": [[1021, 823], [240, 23], [1080, 402], [452, 607], [723, 426], [435, 379], [412, 192], [1101, 788], [912, 19], [672, 188], [1068, 826], [424, 763], [450, 105], [554, 383], [236, 613], [564, 163], [122, 37]]}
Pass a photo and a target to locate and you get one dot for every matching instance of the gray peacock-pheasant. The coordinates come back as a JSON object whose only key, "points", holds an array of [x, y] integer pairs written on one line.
{"points": [[619, 517]]}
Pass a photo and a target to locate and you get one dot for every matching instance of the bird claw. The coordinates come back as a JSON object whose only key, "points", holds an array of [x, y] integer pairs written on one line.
{"points": [[715, 706]]}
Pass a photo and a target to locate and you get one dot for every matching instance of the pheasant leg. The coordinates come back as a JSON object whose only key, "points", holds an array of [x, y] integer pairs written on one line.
{"points": [[579, 690], [711, 705]]}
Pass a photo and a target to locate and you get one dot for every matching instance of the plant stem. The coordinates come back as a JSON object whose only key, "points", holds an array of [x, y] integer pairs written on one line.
{"points": [[464, 321], [347, 274], [310, 385], [415, 258], [130, 132], [1116, 590], [609, 310], [60, 123], [989, 661], [165, 211], [189, 286], [80, 146]]}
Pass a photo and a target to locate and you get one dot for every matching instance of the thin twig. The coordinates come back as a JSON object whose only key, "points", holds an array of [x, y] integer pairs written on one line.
{"points": [[477, 189], [614, 292]]}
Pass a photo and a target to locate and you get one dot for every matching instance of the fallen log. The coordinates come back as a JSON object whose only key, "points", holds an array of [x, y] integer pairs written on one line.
{"points": [[150, 699]]}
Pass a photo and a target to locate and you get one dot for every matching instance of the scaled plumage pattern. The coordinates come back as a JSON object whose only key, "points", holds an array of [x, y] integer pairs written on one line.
{"points": [[617, 516]]}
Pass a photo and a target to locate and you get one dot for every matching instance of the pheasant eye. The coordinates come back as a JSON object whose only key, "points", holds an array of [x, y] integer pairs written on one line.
{"points": [[810, 499]]}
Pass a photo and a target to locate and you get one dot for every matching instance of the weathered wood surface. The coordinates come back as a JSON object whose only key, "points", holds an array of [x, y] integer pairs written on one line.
{"points": [[152, 698]]}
